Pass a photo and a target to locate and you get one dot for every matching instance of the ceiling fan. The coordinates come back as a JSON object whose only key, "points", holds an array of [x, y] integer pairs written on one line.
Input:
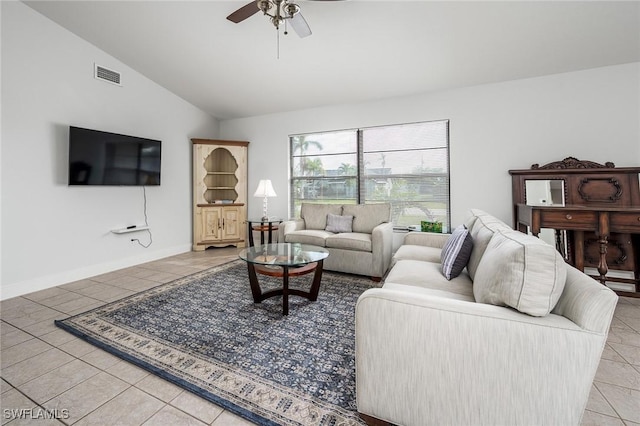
{"points": [[279, 11]]}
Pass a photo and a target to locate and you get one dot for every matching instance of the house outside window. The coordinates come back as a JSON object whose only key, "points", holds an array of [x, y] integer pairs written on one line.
{"points": [[406, 165]]}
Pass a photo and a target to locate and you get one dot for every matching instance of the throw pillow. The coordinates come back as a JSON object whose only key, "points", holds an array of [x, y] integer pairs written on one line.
{"points": [[338, 223], [456, 252], [315, 215], [520, 271]]}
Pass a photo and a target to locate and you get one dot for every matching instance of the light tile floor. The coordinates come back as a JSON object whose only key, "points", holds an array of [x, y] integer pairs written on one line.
{"points": [[44, 367]]}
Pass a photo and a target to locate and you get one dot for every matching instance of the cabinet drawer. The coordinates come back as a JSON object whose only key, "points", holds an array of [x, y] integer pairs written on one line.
{"points": [[579, 220], [625, 222]]}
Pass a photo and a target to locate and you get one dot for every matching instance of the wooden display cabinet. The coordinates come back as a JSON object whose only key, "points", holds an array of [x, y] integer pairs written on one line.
{"points": [[595, 217], [219, 193]]}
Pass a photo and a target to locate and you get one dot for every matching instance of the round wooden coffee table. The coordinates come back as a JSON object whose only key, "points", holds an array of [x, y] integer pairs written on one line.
{"points": [[284, 260]]}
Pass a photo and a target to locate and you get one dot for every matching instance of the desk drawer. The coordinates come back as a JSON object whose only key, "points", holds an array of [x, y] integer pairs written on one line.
{"points": [[625, 222], [567, 219]]}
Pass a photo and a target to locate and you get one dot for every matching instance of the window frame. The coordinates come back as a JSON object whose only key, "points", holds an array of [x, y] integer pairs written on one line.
{"points": [[360, 176]]}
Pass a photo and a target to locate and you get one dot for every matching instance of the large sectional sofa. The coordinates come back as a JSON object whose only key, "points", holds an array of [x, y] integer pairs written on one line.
{"points": [[359, 237], [515, 339]]}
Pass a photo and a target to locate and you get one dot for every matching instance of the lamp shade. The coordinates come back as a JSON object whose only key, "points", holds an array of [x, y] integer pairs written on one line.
{"points": [[265, 189]]}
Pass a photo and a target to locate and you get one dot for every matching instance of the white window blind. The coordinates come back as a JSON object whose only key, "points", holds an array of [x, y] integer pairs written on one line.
{"points": [[406, 165]]}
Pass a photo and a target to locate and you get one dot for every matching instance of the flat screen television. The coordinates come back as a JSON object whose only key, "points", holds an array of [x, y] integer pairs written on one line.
{"points": [[103, 158]]}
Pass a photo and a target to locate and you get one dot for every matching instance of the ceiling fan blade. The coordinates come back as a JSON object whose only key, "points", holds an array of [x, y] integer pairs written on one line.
{"points": [[244, 12], [300, 25]]}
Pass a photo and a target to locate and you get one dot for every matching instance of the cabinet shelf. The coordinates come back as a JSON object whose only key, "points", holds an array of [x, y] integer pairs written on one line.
{"points": [[221, 187], [221, 173], [127, 230]]}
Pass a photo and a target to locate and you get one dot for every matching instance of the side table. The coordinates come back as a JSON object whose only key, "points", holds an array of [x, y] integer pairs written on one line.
{"points": [[262, 225]]}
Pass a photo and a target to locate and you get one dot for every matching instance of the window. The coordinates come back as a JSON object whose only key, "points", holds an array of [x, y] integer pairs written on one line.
{"points": [[406, 165]]}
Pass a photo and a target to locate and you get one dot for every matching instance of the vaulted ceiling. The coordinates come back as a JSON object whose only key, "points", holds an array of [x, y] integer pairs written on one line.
{"points": [[359, 50]]}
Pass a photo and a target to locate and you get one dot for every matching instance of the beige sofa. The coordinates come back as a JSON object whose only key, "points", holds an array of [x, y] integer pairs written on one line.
{"points": [[363, 246], [515, 339]]}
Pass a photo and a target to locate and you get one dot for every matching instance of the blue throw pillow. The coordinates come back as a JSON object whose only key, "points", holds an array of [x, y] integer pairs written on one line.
{"points": [[456, 252]]}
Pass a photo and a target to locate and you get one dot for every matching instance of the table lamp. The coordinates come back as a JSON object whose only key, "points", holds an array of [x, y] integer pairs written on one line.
{"points": [[265, 189]]}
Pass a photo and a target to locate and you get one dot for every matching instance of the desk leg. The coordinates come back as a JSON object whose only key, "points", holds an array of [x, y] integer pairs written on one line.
{"points": [[270, 231], [603, 268], [603, 236], [560, 243], [535, 223], [578, 238]]}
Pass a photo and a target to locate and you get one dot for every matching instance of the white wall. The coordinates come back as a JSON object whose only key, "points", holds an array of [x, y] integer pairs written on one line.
{"points": [[592, 115], [53, 233]]}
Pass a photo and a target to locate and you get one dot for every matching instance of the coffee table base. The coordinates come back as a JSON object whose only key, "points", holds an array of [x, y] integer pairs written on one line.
{"points": [[285, 272]]}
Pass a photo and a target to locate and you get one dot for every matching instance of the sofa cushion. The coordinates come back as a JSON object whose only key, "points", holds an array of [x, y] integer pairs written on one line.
{"points": [[481, 232], [339, 223], [427, 239], [350, 241], [367, 216], [315, 215], [486, 216], [456, 252], [427, 275], [308, 236], [415, 252], [428, 292], [520, 271]]}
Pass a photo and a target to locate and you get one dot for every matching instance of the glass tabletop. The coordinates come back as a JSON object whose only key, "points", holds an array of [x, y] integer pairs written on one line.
{"points": [[260, 220], [284, 254]]}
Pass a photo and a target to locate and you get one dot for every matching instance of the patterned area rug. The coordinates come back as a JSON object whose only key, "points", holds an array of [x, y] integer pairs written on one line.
{"points": [[204, 333]]}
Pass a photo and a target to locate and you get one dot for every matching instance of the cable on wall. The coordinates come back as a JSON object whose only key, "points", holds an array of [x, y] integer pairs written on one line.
{"points": [[146, 220]]}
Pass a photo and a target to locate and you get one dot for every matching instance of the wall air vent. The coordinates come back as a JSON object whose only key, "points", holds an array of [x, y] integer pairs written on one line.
{"points": [[105, 74]]}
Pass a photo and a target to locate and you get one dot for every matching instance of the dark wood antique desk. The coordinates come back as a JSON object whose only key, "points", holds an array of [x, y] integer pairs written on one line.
{"points": [[602, 221], [595, 214]]}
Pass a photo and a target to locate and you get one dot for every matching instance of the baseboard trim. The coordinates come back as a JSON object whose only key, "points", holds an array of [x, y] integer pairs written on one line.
{"points": [[16, 289]]}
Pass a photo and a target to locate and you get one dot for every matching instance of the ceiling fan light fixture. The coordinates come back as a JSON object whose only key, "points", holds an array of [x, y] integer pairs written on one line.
{"points": [[291, 9], [276, 20], [264, 6], [284, 9], [278, 12]]}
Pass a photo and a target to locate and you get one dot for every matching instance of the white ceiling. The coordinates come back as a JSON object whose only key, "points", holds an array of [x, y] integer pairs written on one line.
{"points": [[359, 50]]}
